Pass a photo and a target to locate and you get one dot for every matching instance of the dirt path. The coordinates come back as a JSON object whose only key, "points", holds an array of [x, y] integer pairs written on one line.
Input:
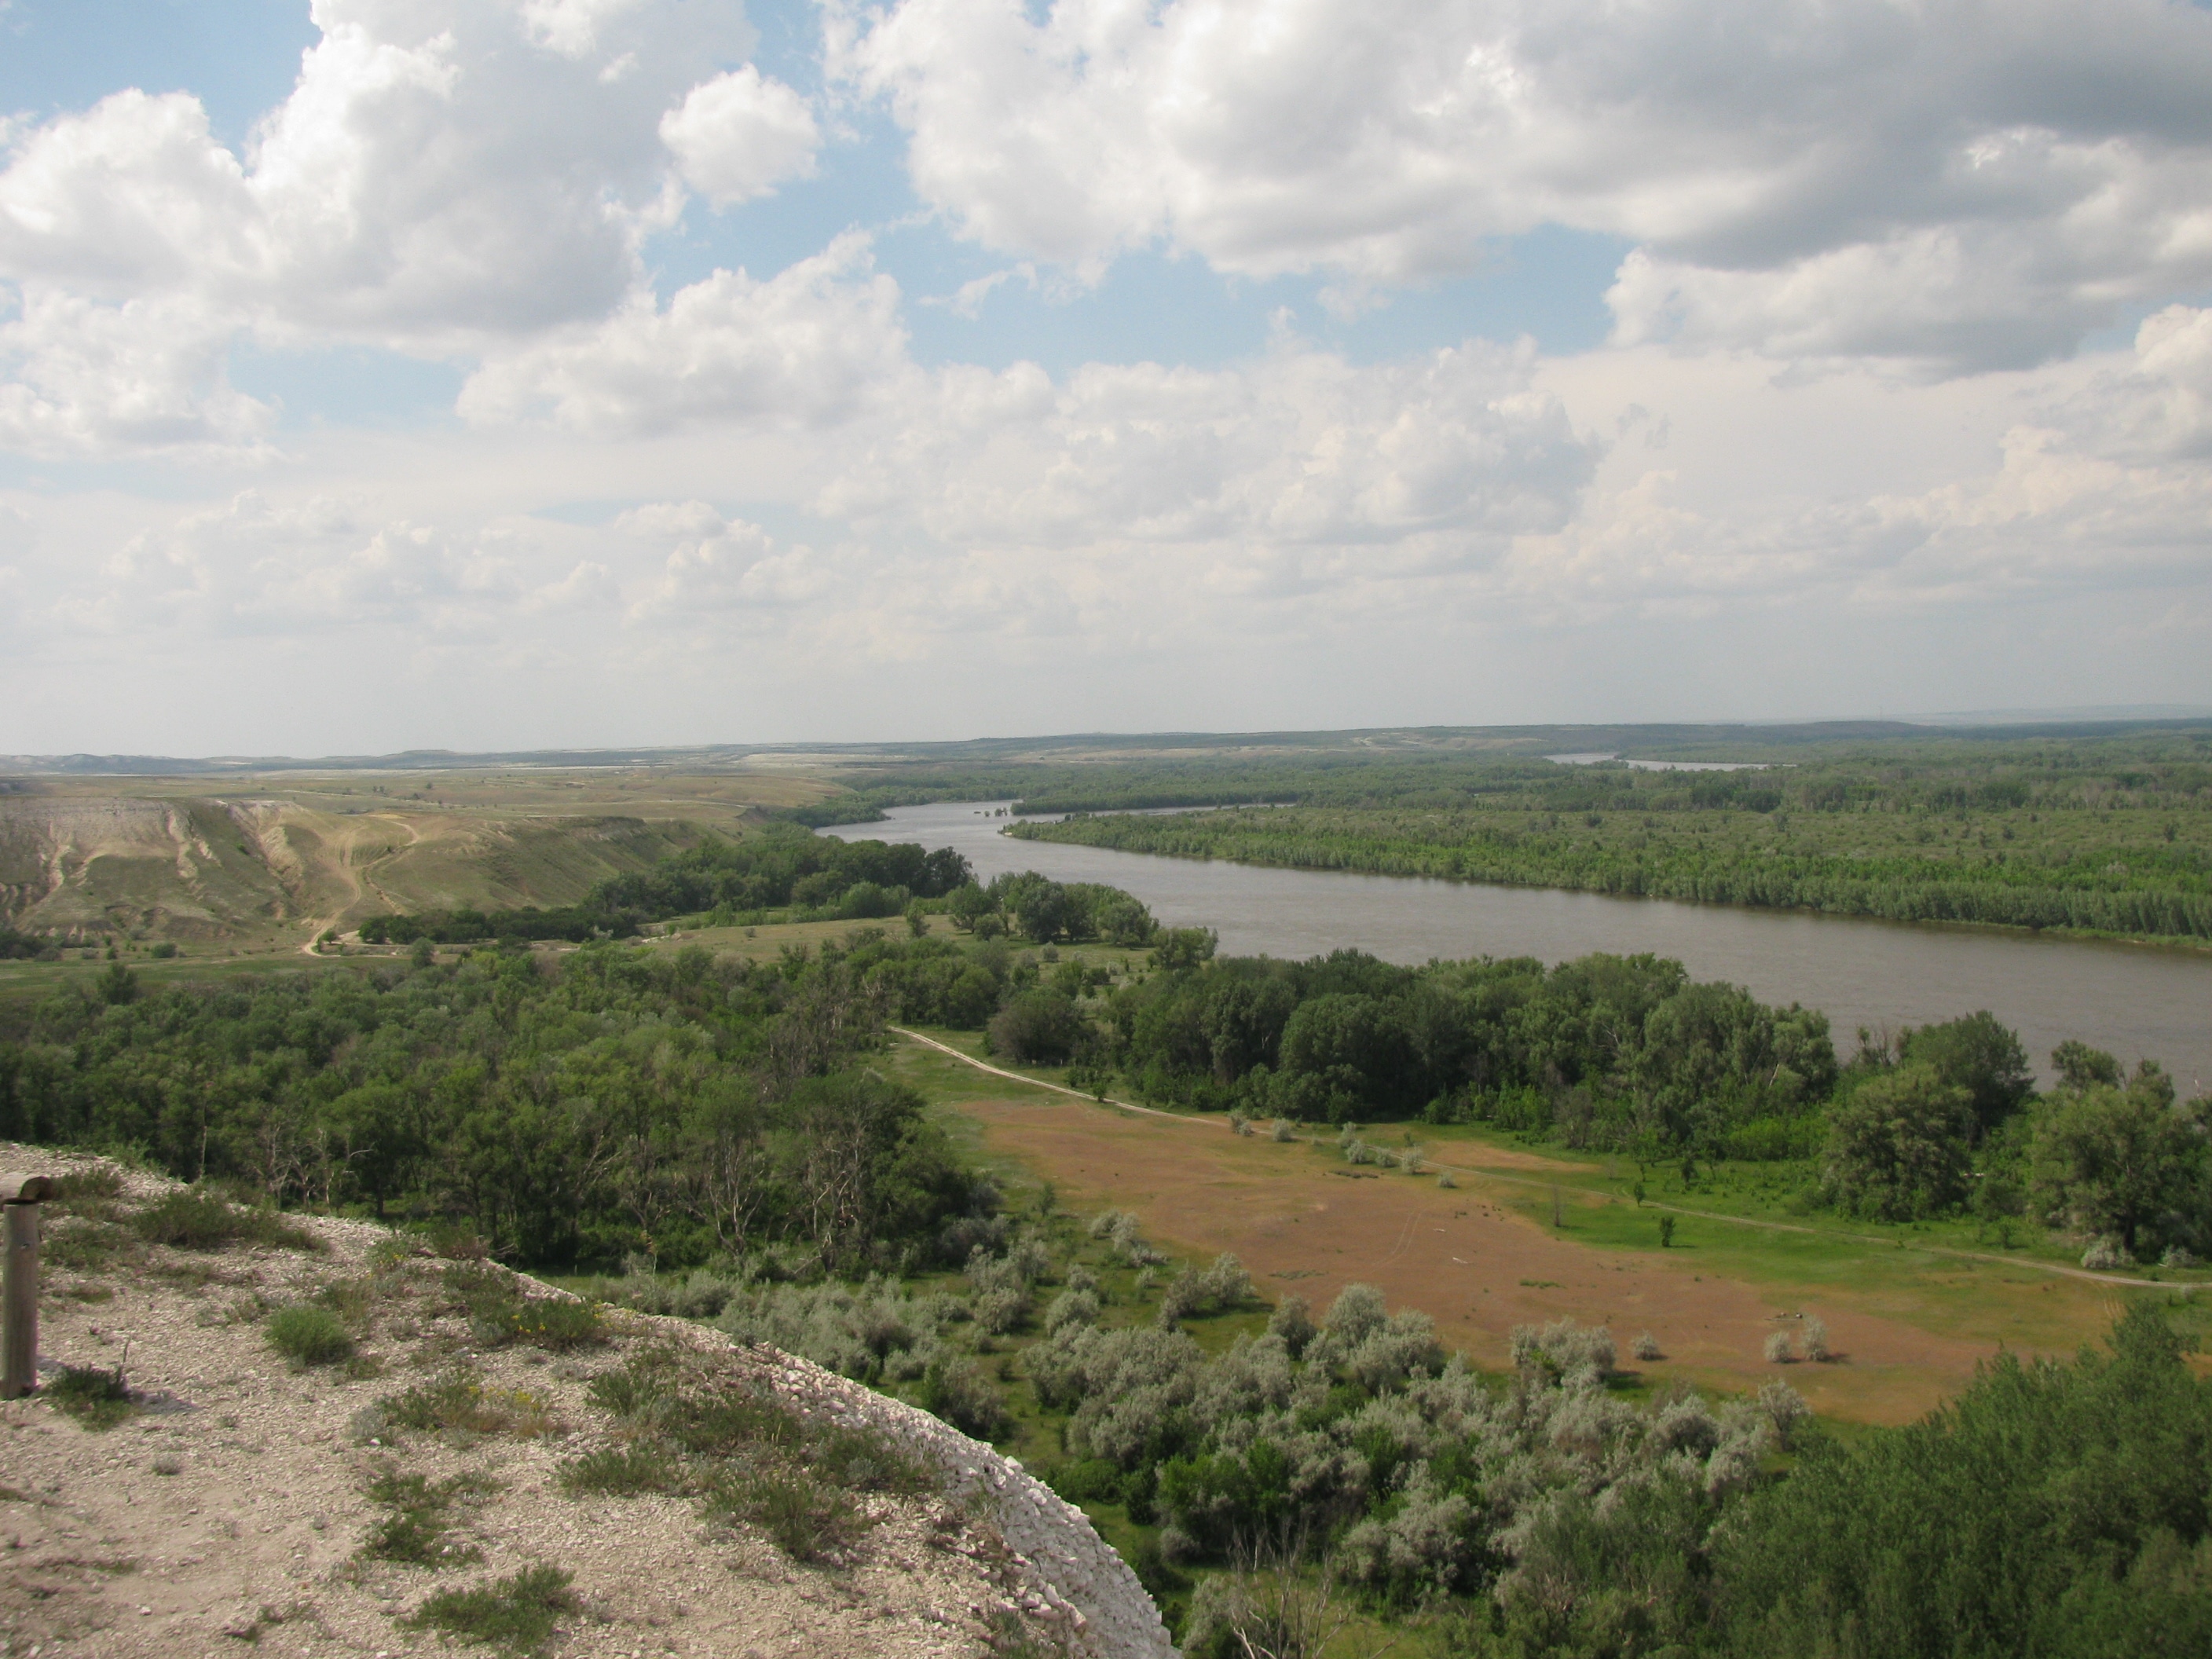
{"points": [[361, 877]]}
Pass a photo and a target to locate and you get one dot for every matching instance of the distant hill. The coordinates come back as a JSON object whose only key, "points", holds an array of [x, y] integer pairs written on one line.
{"points": [[1627, 738]]}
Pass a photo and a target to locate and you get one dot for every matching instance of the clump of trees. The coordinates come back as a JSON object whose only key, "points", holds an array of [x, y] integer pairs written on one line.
{"points": [[1048, 911], [1947, 1120], [1605, 1051], [570, 1112]]}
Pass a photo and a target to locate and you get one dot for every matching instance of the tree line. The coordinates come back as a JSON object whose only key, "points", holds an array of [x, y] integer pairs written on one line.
{"points": [[2093, 873]]}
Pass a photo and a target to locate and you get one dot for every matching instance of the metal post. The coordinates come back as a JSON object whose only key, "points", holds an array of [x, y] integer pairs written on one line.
{"points": [[19, 1302]]}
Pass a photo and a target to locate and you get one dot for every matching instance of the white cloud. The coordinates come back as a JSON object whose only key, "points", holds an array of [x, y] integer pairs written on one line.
{"points": [[2159, 408], [85, 377], [1970, 183], [262, 564], [441, 181], [814, 344], [722, 573], [739, 135], [571, 27], [1440, 457], [1858, 496]]}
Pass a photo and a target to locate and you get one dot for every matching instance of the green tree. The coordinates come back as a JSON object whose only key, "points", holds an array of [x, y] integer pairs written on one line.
{"points": [[966, 903], [1982, 1056], [1897, 1146], [1177, 949], [2125, 1164]]}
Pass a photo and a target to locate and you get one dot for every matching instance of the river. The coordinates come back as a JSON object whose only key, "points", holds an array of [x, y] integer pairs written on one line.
{"points": [[2137, 1002]]}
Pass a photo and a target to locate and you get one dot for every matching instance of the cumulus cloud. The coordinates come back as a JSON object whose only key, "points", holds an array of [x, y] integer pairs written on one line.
{"points": [[739, 135], [1970, 183], [813, 343], [261, 563], [440, 180], [723, 573], [1440, 457], [2159, 407], [85, 377]]}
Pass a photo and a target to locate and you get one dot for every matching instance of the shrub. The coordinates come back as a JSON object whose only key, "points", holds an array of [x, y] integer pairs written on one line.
{"points": [[1358, 1309], [1226, 1284], [415, 1531], [98, 1399], [1784, 1407], [1283, 1130], [1571, 1352], [1814, 1336], [957, 1392], [1780, 1350], [1292, 1320], [1088, 1480], [1072, 1307], [90, 1186], [499, 1313], [194, 1218], [623, 1471], [308, 1336], [518, 1613], [1444, 1179], [1646, 1348], [809, 1520], [558, 1324], [1181, 1299], [459, 1402], [1001, 1311]]}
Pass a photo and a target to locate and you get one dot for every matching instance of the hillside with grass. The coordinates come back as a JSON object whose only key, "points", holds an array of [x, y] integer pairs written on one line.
{"points": [[272, 862]]}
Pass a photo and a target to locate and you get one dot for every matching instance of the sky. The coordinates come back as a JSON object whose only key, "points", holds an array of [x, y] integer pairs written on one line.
{"points": [[514, 373]]}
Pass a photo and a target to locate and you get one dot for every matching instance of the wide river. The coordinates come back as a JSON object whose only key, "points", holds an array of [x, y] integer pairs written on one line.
{"points": [[2138, 1002]]}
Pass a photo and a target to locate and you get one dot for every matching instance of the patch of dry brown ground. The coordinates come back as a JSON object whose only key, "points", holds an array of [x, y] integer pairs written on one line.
{"points": [[1463, 1255]]}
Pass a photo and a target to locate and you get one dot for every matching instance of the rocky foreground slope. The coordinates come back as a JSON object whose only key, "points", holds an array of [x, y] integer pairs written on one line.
{"points": [[453, 1455]]}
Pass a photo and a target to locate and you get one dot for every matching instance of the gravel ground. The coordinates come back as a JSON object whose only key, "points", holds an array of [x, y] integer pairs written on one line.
{"points": [[228, 1509]]}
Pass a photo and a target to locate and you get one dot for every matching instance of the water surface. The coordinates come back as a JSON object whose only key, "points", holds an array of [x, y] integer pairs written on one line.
{"points": [[2138, 1002]]}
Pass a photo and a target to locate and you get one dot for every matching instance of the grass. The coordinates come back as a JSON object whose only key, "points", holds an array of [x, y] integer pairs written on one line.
{"points": [[518, 1613], [750, 1459], [416, 1532], [459, 1402], [808, 1519], [194, 1218], [98, 1399], [308, 1336], [84, 1244], [498, 1313]]}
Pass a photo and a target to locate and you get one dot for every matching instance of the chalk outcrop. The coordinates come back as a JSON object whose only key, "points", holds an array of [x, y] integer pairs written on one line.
{"points": [[234, 1503]]}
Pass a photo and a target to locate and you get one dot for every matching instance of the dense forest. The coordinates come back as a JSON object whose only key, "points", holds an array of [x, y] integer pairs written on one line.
{"points": [[567, 1110], [2025, 839], [2166, 763]]}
